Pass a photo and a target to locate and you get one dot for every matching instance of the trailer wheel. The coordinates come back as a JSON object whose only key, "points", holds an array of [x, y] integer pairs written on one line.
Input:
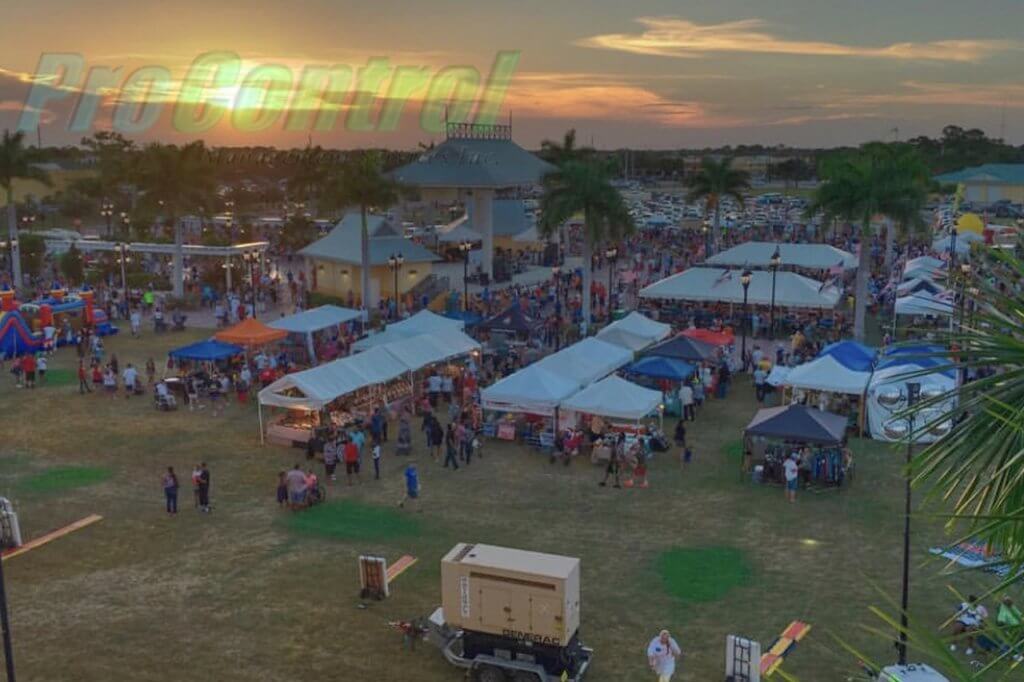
{"points": [[488, 673]]}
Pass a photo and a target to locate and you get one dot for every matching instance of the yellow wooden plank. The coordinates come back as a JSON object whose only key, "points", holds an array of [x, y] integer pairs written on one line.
{"points": [[50, 537]]}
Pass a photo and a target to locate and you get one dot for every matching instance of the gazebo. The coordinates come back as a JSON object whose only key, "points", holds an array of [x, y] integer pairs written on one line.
{"points": [[475, 162]]}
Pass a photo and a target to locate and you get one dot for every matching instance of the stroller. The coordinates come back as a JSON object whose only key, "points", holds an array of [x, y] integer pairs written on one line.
{"points": [[164, 401]]}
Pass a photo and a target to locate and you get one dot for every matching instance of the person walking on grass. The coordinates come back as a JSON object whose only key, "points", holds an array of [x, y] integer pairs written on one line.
{"points": [[41, 368], [83, 378], [130, 378], [792, 471], [331, 456], [450, 453], [618, 453], [662, 653], [204, 488], [351, 455], [412, 486], [375, 453], [28, 367], [196, 472], [170, 481]]}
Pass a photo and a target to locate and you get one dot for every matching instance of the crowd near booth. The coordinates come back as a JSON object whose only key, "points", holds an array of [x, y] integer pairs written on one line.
{"points": [[316, 329], [888, 393], [337, 394], [198, 366], [605, 409], [816, 439]]}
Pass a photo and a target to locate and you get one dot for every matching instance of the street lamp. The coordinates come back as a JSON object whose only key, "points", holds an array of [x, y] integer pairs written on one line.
{"points": [[952, 248], [465, 247], [745, 281], [122, 249], [706, 231], [612, 254], [27, 220], [252, 257], [395, 261], [126, 223], [965, 270], [912, 393], [776, 262], [107, 211]]}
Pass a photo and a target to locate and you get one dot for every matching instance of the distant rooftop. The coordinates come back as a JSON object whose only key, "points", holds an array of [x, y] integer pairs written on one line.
{"points": [[344, 243], [474, 155], [1007, 173]]}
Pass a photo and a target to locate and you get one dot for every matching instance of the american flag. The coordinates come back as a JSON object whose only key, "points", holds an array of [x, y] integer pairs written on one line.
{"points": [[837, 269]]}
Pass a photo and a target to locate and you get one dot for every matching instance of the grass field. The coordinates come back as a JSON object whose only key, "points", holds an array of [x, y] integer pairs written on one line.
{"points": [[252, 592]]}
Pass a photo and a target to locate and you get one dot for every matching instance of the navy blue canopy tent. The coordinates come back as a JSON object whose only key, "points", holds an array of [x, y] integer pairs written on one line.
{"points": [[798, 423], [683, 348], [512, 320], [206, 351], [660, 367]]}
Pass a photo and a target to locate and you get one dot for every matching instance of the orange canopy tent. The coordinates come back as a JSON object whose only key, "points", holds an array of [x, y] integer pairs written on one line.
{"points": [[723, 338], [250, 332]]}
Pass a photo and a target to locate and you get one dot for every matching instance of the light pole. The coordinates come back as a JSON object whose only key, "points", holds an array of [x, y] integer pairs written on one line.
{"points": [[465, 247], [251, 257], [745, 281], [5, 626], [395, 264], [107, 211], [126, 224], [913, 391], [612, 254], [952, 248], [776, 262], [27, 220], [965, 270], [706, 231], [122, 249]]}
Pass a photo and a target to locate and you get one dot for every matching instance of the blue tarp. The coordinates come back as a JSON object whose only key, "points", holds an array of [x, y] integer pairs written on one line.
{"points": [[917, 355], [661, 368], [206, 351], [852, 355]]}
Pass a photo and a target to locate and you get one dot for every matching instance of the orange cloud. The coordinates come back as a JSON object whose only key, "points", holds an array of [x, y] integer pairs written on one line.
{"points": [[674, 37]]}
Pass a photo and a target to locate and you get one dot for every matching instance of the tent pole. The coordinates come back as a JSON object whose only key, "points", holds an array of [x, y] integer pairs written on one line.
{"points": [[259, 412], [310, 348]]}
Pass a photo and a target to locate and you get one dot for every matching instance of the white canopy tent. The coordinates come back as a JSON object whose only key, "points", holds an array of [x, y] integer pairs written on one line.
{"points": [[535, 390], [587, 361], [810, 256], [923, 303], [311, 321], [919, 285], [924, 267], [635, 332], [423, 322], [423, 350], [615, 397], [718, 285], [828, 374], [963, 243]]}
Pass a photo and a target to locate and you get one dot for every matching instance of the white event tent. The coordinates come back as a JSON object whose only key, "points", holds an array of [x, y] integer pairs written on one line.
{"points": [[810, 256], [535, 390], [635, 332], [423, 322], [427, 349], [924, 303], [311, 321], [825, 373], [963, 243], [718, 285], [587, 361], [615, 397]]}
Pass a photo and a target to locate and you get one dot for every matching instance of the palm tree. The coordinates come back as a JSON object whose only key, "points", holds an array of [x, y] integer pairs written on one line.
{"points": [[177, 179], [913, 177], [584, 186], [877, 179], [16, 164], [362, 182], [715, 181], [565, 151]]}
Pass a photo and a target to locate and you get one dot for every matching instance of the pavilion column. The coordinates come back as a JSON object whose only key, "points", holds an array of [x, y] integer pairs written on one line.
{"points": [[178, 285], [483, 221], [227, 272]]}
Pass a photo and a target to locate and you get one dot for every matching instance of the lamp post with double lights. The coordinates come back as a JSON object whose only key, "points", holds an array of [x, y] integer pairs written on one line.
{"points": [[612, 254], [776, 263], [464, 248], [107, 211], [745, 281], [251, 258], [395, 261], [706, 231], [27, 221], [122, 257]]}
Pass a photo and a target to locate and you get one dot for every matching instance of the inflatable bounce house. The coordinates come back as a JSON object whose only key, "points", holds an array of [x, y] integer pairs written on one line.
{"points": [[22, 325]]}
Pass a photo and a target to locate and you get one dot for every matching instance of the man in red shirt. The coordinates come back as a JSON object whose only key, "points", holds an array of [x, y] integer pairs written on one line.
{"points": [[351, 457], [28, 366]]}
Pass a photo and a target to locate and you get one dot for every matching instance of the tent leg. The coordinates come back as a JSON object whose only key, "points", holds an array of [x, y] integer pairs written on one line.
{"points": [[311, 349], [259, 411]]}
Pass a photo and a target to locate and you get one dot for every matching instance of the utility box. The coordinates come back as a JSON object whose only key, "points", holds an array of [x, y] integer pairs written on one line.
{"points": [[521, 595]]}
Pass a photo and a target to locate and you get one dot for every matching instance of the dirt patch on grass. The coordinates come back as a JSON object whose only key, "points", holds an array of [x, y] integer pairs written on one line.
{"points": [[703, 574]]}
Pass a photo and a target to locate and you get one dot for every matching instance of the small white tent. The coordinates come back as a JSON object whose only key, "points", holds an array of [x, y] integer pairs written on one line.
{"points": [[635, 332], [615, 397], [828, 374], [587, 361], [534, 389], [423, 322]]}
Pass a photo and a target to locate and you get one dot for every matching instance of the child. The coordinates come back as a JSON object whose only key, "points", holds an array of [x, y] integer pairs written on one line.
{"points": [[376, 460], [687, 455], [640, 473], [41, 368], [412, 484]]}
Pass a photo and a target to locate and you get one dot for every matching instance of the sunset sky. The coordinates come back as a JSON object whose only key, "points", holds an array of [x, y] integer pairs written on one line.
{"points": [[648, 73]]}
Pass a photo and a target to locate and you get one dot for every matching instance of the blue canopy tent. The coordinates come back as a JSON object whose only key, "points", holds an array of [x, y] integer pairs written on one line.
{"points": [[659, 367], [852, 355], [467, 317], [206, 351]]}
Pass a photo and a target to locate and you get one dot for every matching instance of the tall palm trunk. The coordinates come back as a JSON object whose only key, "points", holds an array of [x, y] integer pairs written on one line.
{"points": [[179, 259], [12, 233], [364, 261], [890, 243], [863, 272], [588, 275], [715, 229]]}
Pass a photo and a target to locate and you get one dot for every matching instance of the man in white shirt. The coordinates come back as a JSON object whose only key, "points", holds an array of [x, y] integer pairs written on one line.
{"points": [[662, 653], [136, 321], [792, 471], [760, 377], [686, 402], [130, 376], [433, 388]]}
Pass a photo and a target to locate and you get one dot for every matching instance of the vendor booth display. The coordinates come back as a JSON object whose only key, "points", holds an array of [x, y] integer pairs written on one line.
{"points": [[616, 398], [887, 393], [309, 322], [815, 437], [635, 331], [250, 333]]}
